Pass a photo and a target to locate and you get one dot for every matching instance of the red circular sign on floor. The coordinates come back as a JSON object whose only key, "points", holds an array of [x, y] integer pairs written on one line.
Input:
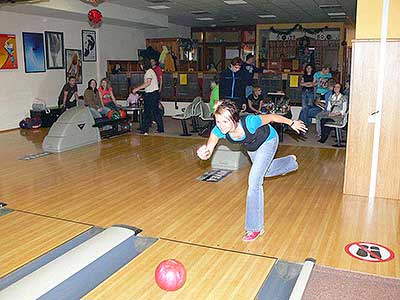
{"points": [[369, 252]]}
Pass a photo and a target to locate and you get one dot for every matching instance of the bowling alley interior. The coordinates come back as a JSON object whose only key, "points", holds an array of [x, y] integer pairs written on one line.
{"points": [[209, 149]]}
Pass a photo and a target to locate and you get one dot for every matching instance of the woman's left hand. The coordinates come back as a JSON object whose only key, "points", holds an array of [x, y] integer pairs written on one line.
{"points": [[299, 126]]}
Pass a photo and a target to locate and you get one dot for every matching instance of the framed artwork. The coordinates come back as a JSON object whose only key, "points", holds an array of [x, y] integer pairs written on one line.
{"points": [[73, 64], [8, 52], [54, 50], [89, 45], [33, 52]]}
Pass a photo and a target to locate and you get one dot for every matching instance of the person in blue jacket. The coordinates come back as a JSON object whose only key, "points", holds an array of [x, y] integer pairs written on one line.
{"points": [[261, 141], [231, 84]]}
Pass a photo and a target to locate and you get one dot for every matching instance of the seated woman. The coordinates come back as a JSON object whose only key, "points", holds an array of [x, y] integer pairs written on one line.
{"points": [[337, 108], [107, 96], [254, 101], [93, 101]]}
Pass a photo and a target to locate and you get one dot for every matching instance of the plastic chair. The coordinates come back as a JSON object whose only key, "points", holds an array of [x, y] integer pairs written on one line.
{"points": [[338, 130]]}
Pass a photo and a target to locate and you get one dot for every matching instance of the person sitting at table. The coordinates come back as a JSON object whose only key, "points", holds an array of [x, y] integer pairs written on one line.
{"points": [[93, 101], [107, 95], [254, 101]]}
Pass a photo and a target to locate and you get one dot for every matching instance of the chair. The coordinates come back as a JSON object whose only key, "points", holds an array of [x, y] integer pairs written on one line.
{"points": [[196, 113], [207, 116], [187, 114], [190, 112], [338, 130]]}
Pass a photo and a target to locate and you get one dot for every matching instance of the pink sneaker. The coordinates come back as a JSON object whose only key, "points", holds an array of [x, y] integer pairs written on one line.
{"points": [[252, 235]]}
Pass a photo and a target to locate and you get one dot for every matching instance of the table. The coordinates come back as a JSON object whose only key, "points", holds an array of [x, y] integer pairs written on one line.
{"points": [[135, 110]]}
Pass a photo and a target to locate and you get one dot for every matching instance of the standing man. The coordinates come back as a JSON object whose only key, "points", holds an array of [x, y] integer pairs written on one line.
{"points": [[231, 84], [69, 89], [248, 70], [321, 79]]}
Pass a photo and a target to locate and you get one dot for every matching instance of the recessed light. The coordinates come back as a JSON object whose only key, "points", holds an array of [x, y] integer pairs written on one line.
{"points": [[205, 19], [233, 2], [159, 7], [335, 14], [213, 25], [199, 12], [329, 5], [266, 16]]}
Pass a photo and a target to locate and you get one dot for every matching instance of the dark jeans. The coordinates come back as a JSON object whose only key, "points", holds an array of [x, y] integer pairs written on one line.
{"points": [[325, 130], [151, 109]]}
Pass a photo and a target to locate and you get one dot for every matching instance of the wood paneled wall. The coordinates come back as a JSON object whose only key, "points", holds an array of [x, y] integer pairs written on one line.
{"points": [[361, 133]]}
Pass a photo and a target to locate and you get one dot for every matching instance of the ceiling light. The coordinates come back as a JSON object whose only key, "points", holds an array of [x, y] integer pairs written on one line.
{"points": [[329, 5], [205, 19], [266, 16], [335, 14], [158, 1], [158, 7], [199, 12], [232, 2]]}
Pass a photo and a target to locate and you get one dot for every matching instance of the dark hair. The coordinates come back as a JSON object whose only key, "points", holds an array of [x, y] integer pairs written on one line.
{"points": [[325, 67], [227, 106], [248, 56], [312, 67], [90, 88], [256, 86], [107, 81], [71, 77], [146, 64], [236, 61]]}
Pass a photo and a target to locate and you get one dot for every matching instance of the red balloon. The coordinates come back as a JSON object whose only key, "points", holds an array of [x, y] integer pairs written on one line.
{"points": [[170, 275], [95, 16]]}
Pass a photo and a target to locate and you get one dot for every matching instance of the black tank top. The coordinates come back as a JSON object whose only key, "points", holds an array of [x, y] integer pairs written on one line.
{"points": [[252, 141]]}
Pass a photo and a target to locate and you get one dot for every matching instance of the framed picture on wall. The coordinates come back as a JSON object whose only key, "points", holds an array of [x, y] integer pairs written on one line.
{"points": [[8, 53], [33, 52], [73, 64], [54, 50], [89, 45]]}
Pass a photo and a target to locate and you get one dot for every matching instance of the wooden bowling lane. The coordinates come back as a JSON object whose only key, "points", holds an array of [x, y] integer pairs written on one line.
{"points": [[24, 237], [211, 274], [150, 182]]}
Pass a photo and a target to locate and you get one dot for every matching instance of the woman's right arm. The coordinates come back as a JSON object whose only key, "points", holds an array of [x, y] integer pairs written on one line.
{"points": [[205, 151]]}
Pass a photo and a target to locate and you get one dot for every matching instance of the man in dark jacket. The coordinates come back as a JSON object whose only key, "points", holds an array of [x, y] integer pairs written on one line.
{"points": [[231, 84], [248, 70]]}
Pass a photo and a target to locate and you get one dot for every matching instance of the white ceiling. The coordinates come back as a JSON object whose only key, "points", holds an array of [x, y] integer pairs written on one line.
{"points": [[286, 11]]}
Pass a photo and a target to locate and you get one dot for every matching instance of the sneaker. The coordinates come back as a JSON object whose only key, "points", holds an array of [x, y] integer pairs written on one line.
{"points": [[252, 235]]}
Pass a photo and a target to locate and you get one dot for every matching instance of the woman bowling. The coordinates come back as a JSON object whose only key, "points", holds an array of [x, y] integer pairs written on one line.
{"points": [[260, 139]]}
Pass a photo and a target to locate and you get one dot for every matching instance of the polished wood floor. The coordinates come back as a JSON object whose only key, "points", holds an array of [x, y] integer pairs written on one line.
{"points": [[24, 237], [211, 274], [150, 182]]}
